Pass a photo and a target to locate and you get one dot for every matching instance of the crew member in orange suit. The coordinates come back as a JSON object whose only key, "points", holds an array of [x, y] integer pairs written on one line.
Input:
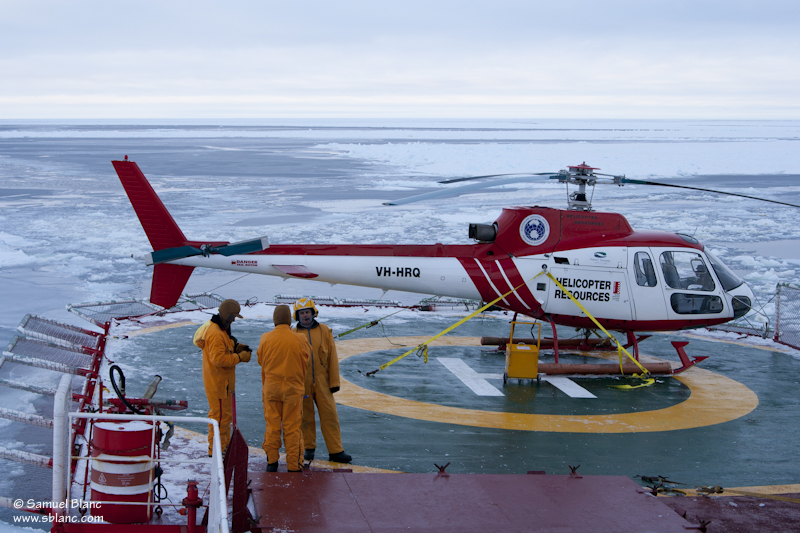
{"points": [[221, 354], [283, 357], [322, 381]]}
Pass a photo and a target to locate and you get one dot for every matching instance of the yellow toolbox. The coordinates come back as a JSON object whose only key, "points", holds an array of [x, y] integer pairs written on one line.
{"points": [[522, 360]]}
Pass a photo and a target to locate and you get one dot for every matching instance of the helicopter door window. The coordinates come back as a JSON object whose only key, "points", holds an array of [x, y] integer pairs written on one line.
{"points": [[703, 280], [643, 268], [686, 270], [695, 304], [671, 275]]}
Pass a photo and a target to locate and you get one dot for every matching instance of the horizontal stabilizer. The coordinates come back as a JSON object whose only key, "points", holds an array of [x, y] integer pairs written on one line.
{"points": [[243, 247], [181, 252], [171, 254], [297, 271]]}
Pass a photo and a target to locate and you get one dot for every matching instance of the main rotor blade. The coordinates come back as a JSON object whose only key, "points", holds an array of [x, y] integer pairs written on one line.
{"points": [[642, 182], [456, 180], [464, 189]]}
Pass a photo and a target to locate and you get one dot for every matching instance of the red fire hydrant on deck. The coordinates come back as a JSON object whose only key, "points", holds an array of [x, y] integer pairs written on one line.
{"points": [[192, 501]]}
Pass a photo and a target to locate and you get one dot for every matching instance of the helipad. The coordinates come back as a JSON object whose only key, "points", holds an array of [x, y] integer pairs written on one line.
{"points": [[712, 399], [730, 421]]}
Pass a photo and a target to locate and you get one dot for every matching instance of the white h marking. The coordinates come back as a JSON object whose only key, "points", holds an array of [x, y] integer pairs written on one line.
{"points": [[568, 387], [471, 379], [477, 382]]}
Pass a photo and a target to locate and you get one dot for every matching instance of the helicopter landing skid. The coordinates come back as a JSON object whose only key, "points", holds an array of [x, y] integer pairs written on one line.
{"points": [[687, 363], [588, 345]]}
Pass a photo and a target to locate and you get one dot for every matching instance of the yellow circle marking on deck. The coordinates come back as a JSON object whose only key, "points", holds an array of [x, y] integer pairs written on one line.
{"points": [[161, 327], [195, 448], [713, 399]]}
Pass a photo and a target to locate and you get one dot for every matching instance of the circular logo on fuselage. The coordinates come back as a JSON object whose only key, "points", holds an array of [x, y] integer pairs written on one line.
{"points": [[534, 230]]}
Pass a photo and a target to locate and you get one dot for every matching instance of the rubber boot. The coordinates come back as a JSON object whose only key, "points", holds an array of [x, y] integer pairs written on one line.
{"points": [[308, 455], [340, 457], [272, 467]]}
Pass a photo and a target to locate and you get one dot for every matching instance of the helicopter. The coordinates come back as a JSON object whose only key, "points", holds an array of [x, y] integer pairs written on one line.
{"points": [[629, 281]]}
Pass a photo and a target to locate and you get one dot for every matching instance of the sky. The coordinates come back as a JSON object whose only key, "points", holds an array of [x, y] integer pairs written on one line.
{"points": [[412, 59]]}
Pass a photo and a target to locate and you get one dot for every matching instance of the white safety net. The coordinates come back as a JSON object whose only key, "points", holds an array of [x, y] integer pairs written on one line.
{"points": [[37, 327], [787, 315]]}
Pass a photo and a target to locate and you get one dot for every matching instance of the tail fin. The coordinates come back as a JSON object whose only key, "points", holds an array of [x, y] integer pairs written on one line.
{"points": [[158, 224], [162, 230]]}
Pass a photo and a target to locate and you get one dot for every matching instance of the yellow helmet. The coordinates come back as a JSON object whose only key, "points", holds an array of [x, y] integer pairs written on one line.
{"points": [[304, 303]]}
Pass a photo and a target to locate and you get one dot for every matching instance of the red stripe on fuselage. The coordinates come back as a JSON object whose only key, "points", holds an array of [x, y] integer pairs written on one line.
{"points": [[497, 279], [637, 325], [516, 280], [499, 290], [477, 277], [489, 252], [496, 276], [380, 250]]}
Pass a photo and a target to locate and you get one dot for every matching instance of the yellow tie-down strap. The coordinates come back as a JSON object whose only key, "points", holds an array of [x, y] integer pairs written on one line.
{"points": [[643, 376], [422, 349]]}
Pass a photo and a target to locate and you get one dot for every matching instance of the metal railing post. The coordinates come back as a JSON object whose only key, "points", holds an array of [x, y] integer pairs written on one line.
{"points": [[61, 452]]}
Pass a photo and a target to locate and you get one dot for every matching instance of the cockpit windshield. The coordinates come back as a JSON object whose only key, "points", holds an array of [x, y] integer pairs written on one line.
{"points": [[726, 276]]}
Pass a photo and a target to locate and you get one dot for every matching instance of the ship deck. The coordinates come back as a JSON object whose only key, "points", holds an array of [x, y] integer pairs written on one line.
{"points": [[339, 501], [730, 422]]}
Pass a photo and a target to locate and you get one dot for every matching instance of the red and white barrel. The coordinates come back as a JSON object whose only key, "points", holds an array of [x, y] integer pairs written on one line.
{"points": [[122, 471]]}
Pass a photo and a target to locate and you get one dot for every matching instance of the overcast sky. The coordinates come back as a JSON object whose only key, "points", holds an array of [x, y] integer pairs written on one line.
{"points": [[405, 58]]}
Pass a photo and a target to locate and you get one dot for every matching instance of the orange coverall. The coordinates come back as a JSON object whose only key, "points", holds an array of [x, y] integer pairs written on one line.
{"points": [[219, 378], [322, 374], [283, 357]]}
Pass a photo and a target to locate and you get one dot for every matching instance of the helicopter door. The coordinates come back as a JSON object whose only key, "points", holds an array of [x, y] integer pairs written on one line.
{"points": [[646, 291], [603, 291], [691, 291]]}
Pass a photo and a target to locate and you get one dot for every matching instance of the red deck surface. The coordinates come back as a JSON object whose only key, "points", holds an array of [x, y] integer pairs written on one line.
{"points": [[739, 514], [459, 502]]}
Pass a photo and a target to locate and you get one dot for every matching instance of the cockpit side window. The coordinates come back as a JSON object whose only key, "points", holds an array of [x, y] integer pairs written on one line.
{"points": [[643, 269], [686, 270]]}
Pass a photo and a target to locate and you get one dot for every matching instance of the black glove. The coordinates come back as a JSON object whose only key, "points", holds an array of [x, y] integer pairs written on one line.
{"points": [[334, 390], [242, 348]]}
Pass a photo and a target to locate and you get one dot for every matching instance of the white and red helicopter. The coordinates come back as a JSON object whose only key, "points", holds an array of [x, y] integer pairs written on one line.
{"points": [[628, 280]]}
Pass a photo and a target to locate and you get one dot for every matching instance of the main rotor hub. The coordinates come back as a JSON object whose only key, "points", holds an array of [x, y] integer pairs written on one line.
{"points": [[580, 175]]}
